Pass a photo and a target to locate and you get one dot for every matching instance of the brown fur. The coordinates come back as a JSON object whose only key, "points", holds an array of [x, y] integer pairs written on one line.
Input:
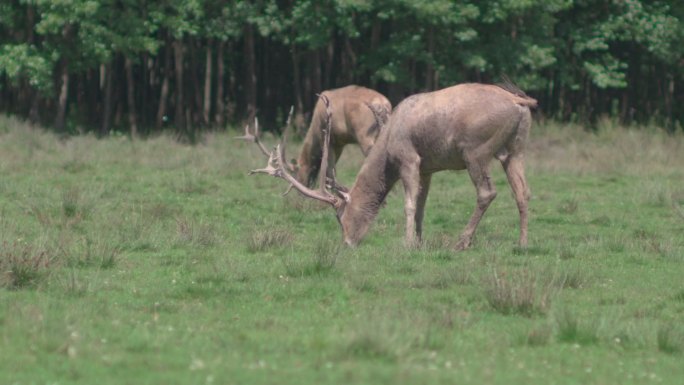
{"points": [[461, 127], [353, 121]]}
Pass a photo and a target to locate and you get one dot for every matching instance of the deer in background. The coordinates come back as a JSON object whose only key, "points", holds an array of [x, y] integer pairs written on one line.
{"points": [[356, 115], [456, 128]]}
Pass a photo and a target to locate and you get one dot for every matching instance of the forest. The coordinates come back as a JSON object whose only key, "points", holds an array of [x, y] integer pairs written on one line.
{"points": [[141, 66]]}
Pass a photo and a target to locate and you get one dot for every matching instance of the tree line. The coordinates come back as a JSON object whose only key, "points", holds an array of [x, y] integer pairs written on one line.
{"points": [[141, 66]]}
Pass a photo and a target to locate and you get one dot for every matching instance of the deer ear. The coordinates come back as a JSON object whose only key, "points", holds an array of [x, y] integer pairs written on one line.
{"points": [[343, 194], [337, 188]]}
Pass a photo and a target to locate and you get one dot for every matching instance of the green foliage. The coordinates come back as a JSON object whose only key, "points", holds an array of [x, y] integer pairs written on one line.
{"points": [[23, 61], [581, 59]]}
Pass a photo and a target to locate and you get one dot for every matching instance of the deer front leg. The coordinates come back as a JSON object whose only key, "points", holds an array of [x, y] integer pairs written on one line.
{"points": [[410, 177], [333, 157], [486, 193], [515, 171]]}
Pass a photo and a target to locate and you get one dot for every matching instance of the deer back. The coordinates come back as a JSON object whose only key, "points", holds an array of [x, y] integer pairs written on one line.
{"points": [[442, 129]]}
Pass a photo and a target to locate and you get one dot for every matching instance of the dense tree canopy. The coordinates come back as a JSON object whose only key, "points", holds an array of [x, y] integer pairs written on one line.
{"points": [[144, 65]]}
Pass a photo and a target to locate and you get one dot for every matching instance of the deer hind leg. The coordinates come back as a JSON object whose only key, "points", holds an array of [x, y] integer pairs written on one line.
{"points": [[515, 171], [410, 177], [420, 204], [479, 174]]}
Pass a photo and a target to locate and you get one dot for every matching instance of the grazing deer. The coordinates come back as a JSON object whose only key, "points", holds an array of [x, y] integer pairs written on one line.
{"points": [[356, 117], [357, 113], [461, 127]]}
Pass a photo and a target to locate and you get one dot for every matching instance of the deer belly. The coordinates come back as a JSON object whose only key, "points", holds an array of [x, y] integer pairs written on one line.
{"points": [[433, 161]]}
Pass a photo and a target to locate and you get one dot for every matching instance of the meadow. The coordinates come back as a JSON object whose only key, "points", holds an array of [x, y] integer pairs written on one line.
{"points": [[155, 262]]}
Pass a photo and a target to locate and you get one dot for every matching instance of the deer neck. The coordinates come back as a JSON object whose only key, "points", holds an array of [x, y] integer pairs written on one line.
{"points": [[373, 183], [309, 158]]}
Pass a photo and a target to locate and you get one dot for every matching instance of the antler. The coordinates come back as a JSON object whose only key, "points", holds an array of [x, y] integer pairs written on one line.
{"points": [[323, 171], [276, 168], [255, 137], [286, 131]]}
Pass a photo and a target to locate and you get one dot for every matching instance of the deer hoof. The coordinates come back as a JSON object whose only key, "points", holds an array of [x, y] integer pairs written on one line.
{"points": [[462, 244], [413, 244]]}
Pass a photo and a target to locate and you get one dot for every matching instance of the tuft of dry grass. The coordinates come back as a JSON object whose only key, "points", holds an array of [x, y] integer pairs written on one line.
{"points": [[571, 277], [197, 234], [539, 335], [571, 330], [99, 253], [570, 148], [521, 291], [670, 338], [368, 347], [261, 239], [23, 265], [568, 206]]}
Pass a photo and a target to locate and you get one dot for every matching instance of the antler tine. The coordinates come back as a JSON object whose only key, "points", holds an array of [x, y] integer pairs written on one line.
{"points": [[254, 137], [289, 117], [276, 168], [286, 131], [326, 143], [270, 169], [337, 188]]}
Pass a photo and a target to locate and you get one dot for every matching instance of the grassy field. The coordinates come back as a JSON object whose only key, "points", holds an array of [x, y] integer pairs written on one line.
{"points": [[153, 262]]}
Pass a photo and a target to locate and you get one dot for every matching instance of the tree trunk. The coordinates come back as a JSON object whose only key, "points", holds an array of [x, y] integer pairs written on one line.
{"points": [[117, 79], [329, 60], [207, 85], [34, 116], [130, 95], [316, 75], [297, 85], [250, 72], [107, 113], [219, 85], [352, 62], [30, 23], [164, 93], [263, 76], [63, 98], [669, 96], [34, 94], [178, 56], [60, 119], [430, 70], [374, 43], [197, 91], [145, 102]]}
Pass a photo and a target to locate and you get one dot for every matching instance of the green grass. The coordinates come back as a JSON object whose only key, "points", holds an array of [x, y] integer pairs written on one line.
{"points": [[152, 262]]}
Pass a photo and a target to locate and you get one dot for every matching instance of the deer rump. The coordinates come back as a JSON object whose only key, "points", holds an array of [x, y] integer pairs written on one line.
{"points": [[460, 127]]}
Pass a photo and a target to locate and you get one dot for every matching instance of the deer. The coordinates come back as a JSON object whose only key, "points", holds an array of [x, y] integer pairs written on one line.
{"points": [[356, 116], [462, 127]]}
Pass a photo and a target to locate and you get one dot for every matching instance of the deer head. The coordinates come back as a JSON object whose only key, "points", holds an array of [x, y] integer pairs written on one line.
{"points": [[329, 190], [357, 115]]}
